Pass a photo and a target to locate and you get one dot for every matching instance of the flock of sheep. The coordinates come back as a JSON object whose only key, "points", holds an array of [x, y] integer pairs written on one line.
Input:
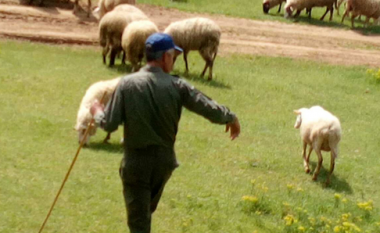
{"points": [[368, 8], [123, 28]]}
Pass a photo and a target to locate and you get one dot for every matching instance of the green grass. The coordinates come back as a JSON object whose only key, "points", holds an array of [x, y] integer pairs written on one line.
{"points": [[254, 10], [40, 90]]}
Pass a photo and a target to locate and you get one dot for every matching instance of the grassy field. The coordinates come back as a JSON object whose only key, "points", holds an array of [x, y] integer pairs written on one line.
{"points": [[253, 184], [254, 10]]}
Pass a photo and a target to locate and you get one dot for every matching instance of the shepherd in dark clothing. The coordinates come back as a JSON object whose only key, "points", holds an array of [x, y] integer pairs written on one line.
{"points": [[149, 104]]}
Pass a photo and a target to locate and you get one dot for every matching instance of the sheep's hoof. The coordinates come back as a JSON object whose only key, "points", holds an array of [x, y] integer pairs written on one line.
{"points": [[315, 178], [307, 170]]}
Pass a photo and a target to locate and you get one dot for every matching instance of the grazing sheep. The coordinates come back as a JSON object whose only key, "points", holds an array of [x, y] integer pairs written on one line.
{"points": [[76, 6], [299, 5], [269, 4], [368, 8], [111, 28], [321, 131], [105, 6], [133, 41], [94, 92], [197, 34]]}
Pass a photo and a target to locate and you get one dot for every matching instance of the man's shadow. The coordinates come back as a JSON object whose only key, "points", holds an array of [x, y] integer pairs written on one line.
{"points": [[114, 147], [338, 184]]}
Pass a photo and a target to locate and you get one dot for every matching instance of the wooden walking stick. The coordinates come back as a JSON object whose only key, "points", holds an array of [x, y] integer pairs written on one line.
{"points": [[90, 125]]}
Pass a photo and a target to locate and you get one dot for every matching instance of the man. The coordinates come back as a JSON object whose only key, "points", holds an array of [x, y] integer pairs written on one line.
{"points": [[149, 104]]}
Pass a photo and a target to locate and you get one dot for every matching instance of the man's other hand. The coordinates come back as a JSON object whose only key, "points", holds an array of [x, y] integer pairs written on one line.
{"points": [[96, 107], [234, 128]]}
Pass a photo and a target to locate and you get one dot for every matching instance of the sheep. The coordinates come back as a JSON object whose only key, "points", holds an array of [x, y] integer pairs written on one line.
{"points": [[111, 28], [105, 6], [133, 41], [321, 131], [299, 5], [94, 92], [368, 8], [268, 4], [197, 34], [76, 6]]}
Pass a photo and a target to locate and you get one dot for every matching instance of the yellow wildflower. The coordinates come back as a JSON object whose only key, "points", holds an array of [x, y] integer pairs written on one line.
{"points": [[337, 229], [252, 199], [301, 229], [289, 220], [337, 196]]}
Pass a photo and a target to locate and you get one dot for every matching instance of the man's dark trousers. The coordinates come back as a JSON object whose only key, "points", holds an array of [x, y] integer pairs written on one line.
{"points": [[144, 173]]}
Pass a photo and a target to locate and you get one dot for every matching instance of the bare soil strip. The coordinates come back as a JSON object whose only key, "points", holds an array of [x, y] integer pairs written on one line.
{"points": [[268, 38]]}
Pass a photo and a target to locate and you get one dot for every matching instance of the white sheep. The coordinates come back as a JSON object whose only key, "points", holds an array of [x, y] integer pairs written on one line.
{"points": [[94, 92], [368, 8], [299, 5], [322, 132], [133, 41], [197, 34], [105, 6], [111, 28], [269, 4]]}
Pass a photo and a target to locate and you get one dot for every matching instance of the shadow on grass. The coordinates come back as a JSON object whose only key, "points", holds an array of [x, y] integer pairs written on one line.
{"points": [[336, 184], [317, 22], [115, 148], [123, 69], [197, 78], [371, 29]]}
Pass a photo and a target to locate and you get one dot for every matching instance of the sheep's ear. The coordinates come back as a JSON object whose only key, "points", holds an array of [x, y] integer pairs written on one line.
{"points": [[297, 112]]}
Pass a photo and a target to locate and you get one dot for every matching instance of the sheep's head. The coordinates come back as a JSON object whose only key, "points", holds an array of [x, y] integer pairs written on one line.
{"points": [[288, 12], [81, 132], [266, 7], [297, 125]]}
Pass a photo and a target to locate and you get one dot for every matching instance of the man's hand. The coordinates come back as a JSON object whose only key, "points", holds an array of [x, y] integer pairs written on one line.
{"points": [[234, 128], [96, 107]]}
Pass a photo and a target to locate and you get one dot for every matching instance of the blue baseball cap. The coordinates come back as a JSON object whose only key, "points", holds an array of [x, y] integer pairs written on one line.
{"points": [[160, 42]]}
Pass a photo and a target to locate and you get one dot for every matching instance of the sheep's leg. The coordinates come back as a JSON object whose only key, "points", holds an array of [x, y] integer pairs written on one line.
{"points": [[352, 21], [112, 57], [344, 15], [206, 66], [320, 160], [366, 21], [332, 165], [106, 49], [297, 13], [211, 65], [331, 12], [123, 58], [306, 164], [88, 8], [108, 137], [279, 9], [76, 6], [185, 58], [337, 5], [309, 12], [327, 10]]}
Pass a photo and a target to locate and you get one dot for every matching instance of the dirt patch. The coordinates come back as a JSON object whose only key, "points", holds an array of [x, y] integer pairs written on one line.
{"points": [[54, 24]]}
